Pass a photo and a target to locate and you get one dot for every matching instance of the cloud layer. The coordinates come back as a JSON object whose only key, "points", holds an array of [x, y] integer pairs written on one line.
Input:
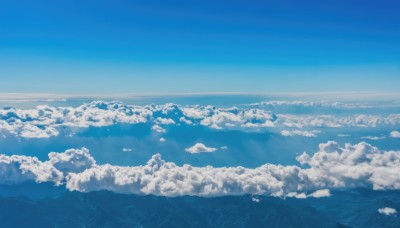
{"points": [[323, 104], [331, 121], [45, 121], [332, 167]]}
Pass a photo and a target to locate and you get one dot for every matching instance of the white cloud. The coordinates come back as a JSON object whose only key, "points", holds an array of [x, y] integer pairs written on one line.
{"points": [[158, 129], [162, 139], [299, 133], [387, 211], [164, 121], [200, 148], [331, 121], [186, 121], [332, 167], [224, 147], [45, 121], [72, 160], [320, 193], [321, 104], [395, 134], [373, 137], [18, 168], [235, 118], [127, 149], [360, 165], [255, 200]]}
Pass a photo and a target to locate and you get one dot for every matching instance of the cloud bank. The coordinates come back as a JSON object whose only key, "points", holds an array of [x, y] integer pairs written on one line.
{"points": [[45, 121], [331, 121], [322, 104], [332, 167]]}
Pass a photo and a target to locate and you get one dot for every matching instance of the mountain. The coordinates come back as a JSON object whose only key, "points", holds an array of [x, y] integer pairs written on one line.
{"points": [[358, 208]]}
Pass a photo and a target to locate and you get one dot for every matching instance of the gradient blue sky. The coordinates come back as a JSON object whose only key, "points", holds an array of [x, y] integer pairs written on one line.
{"points": [[104, 46]]}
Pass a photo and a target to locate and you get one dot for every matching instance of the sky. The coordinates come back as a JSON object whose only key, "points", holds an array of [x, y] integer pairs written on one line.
{"points": [[176, 46]]}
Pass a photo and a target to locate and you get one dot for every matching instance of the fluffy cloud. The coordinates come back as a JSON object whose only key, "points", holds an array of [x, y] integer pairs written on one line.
{"points": [[164, 121], [17, 169], [332, 167], [158, 129], [395, 134], [45, 121], [72, 160], [387, 211], [239, 118], [353, 166], [200, 148], [360, 165], [320, 193]]}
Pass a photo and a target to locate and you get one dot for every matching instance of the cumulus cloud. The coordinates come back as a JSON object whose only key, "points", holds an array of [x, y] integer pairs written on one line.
{"points": [[158, 129], [19, 168], [360, 165], [127, 149], [299, 133], [200, 148], [72, 160], [320, 193], [395, 134], [164, 121], [162, 139], [353, 166], [387, 211], [45, 121], [16, 169], [332, 167]]}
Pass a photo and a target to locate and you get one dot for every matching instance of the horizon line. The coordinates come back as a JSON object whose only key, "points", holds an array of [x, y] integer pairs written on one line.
{"points": [[44, 95]]}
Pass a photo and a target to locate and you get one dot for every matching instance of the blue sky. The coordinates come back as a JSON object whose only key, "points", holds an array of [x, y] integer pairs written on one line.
{"points": [[102, 46]]}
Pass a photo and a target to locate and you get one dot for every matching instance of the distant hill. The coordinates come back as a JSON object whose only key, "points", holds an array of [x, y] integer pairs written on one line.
{"points": [[106, 209]]}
